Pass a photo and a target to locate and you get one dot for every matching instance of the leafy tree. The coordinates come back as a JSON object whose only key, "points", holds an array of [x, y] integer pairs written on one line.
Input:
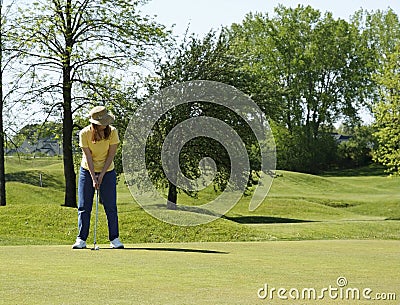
{"points": [[77, 49], [308, 73], [124, 104], [34, 132], [194, 58], [357, 151], [381, 31], [197, 59], [387, 114]]}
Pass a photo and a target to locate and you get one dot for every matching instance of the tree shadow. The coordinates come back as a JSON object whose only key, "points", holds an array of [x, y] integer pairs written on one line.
{"points": [[185, 250], [35, 178], [185, 208], [364, 171], [237, 219], [263, 219]]}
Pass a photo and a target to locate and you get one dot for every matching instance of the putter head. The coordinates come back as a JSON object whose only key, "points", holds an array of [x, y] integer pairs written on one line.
{"points": [[95, 248]]}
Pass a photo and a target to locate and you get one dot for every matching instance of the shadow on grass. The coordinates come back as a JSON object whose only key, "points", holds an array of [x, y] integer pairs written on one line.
{"points": [[35, 178], [183, 208], [371, 170], [237, 219], [263, 219], [169, 250]]}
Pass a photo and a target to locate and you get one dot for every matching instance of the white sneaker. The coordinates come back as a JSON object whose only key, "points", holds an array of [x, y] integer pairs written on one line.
{"points": [[79, 244], [116, 244]]}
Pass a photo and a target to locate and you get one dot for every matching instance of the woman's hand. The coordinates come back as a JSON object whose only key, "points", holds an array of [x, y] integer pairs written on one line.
{"points": [[100, 179], [96, 184]]}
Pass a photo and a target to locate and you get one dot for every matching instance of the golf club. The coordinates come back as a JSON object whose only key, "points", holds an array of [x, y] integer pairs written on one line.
{"points": [[95, 222]]}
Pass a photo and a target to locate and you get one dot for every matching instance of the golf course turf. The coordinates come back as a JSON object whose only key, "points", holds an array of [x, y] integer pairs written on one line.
{"points": [[203, 273], [311, 233]]}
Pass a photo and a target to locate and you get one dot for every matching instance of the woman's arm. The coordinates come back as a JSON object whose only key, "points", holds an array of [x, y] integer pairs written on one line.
{"points": [[112, 150], [89, 160]]}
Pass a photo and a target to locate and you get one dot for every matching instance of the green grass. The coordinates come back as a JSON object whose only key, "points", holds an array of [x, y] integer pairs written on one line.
{"points": [[298, 207], [309, 231], [196, 273]]}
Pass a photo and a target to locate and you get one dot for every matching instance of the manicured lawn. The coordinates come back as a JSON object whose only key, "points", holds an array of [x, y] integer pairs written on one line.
{"points": [[309, 231], [201, 273]]}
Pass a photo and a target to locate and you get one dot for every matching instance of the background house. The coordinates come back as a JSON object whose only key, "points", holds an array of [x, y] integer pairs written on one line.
{"points": [[341, 138], [48, 146]]}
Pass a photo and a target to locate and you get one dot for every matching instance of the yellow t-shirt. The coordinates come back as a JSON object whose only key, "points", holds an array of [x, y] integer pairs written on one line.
{"points": [[99, 149]]}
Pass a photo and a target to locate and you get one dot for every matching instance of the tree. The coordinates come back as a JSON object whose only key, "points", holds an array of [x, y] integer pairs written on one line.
{"points": [[387, 115], [193, 59], [77, 47], [2, 166], [124, 104], [357, 150], [308, 73], [381, 31], [34, 132], [196, 59], [8, 55]]}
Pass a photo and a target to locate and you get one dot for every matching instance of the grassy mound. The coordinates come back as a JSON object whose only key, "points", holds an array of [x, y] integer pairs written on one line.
{"points": [[298, 207]]}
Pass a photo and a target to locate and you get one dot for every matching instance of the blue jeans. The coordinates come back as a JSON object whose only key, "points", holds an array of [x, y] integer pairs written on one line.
{"points": [[108, 197]]}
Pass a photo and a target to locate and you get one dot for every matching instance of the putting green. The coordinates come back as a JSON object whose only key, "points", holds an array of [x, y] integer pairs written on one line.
{"points": [[203, 273]]}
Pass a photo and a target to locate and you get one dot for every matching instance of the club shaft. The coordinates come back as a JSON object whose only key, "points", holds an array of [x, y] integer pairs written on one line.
{"points": [[96, 219]]}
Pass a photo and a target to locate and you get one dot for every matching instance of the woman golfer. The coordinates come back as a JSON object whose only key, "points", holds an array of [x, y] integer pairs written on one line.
{"points": [[98, 142]]}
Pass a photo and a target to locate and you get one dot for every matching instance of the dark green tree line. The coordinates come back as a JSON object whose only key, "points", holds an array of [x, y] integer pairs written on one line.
{"points": [[309, 72]]}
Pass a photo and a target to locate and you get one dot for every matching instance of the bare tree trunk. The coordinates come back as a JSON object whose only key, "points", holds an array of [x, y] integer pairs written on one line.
{"points": [[2, 167], [172, 196], [69, 172]]}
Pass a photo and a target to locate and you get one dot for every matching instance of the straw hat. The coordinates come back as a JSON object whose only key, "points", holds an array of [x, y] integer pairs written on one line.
{"points": [[100, 116]]}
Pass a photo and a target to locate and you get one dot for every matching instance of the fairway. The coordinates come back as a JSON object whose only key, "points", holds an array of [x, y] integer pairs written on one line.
{"points": [[200, 273]]}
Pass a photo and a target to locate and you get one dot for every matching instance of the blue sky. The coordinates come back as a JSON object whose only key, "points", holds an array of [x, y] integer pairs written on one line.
{"points": [[204, 15]]}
